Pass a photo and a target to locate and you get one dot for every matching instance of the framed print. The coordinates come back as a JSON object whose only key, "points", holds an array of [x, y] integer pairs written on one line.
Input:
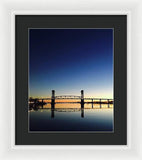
{"points": [[71, 80]]}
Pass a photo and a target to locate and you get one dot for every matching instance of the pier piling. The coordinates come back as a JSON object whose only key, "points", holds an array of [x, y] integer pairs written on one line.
{"points": [[52, 113], [82, 98], [108, 103], [92, 103], [53, 99]]}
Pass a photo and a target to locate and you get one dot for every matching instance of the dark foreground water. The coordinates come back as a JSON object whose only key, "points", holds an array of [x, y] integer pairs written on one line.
{"points": [[70, 117]]}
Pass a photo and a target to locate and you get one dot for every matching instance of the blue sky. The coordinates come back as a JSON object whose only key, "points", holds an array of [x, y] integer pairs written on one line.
{"points": [[69, 60]]}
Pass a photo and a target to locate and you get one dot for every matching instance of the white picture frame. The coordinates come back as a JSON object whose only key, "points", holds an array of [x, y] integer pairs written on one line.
{"points": [[8, 10]]}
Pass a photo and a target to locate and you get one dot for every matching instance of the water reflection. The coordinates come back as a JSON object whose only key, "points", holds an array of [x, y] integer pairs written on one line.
{"points": [[52, 112], [71, 117], [82, 112], [53, 109], [56, 107]]}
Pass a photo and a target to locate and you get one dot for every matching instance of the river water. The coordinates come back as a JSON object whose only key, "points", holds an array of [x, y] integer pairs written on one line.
{"points": [[70, 117]]}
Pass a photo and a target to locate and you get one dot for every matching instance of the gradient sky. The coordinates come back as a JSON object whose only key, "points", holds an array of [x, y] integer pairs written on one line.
{"points": [[69, 60]]}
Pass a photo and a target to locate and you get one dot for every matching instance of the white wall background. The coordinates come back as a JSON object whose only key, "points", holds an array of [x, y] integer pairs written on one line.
{"points": [[134, 10]]}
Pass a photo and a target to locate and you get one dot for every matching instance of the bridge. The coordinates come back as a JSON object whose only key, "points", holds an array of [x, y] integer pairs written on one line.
{"points": [[67, 97], [72, 97]]}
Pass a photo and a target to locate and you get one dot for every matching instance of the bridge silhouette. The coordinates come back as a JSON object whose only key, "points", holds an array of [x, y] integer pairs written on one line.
{"points": [[67, 97], [81, 98]]}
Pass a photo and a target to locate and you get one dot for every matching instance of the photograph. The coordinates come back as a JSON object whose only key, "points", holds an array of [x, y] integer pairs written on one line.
{"points": [[71, 80]]}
